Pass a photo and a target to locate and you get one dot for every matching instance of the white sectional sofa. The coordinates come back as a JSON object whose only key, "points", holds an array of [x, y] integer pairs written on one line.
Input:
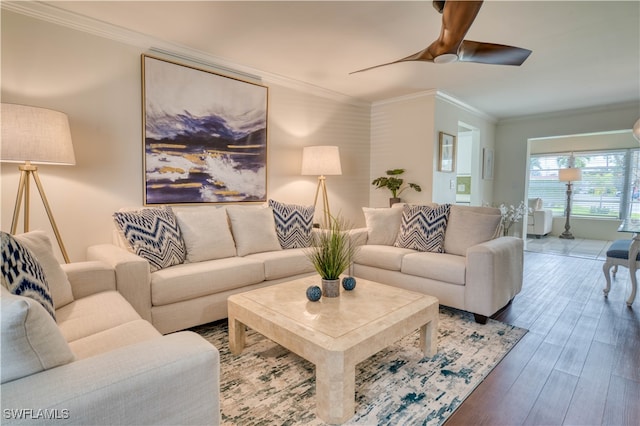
{"points": [[475, 271], [97, 362], [228, 250], [539, 219]]}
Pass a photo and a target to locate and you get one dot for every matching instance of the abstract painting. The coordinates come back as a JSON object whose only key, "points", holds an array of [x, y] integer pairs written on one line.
{"points": [[205, 136]]}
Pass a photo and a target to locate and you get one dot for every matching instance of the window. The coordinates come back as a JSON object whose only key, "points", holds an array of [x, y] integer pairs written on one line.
{"points": [[609, 188]]}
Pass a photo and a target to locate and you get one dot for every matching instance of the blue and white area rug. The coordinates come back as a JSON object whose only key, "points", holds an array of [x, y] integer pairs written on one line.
{"points": [[268, 385]]}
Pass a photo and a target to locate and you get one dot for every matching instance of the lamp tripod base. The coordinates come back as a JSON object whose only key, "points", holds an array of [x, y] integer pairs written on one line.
{"points": [[566, 236]]}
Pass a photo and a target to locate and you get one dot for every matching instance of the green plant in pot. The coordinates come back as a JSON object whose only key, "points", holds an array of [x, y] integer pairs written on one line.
{"points": [[395, 184], [331, 253]]}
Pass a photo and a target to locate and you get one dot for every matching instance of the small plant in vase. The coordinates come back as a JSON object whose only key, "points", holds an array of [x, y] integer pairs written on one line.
{"points": [[395, 184], [331, 253]]}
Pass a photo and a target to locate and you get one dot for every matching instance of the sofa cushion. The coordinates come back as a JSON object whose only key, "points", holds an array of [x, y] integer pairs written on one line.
{"points": [[385, 257], [423, 228], [206, 233], [30, 339], [193, 280], [93, 314], [40, 245], [467, 227], [254, 229], [383, 224], [284, 263], [293, 224], [154, 235], [443, 267], [114, 338], [23, 275], [535, 203]]}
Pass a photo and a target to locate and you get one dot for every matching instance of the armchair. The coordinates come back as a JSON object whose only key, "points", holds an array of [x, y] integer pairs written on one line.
{"points": [[540, 220]]}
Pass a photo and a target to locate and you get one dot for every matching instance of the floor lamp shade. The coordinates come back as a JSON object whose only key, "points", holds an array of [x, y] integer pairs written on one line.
{"points": [[37, 135], [321, 161], [570, 175], [31, 136]]}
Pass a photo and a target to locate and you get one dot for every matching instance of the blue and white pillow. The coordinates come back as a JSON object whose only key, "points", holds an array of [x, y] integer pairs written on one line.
{"points": [[294, 224], [423, 228], [23, 275], [154, 235]]}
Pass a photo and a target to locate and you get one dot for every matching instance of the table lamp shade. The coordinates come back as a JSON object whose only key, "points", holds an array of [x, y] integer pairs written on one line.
{"points": [[570, 175], [38, 135], [321, 161]]}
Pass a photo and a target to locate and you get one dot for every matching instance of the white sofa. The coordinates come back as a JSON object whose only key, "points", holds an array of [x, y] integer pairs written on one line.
{"points": [[98, 362], [228, 250], [476, 271], [539, 220]]}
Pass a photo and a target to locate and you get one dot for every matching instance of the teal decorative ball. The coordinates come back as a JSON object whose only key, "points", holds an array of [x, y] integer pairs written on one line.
{"points": [[314, 293], [349, 283]]}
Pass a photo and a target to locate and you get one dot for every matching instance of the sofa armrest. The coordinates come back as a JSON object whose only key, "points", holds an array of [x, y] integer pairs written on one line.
{"points": [[88, 278], [493, 275], [173, 379], [133, 278]]}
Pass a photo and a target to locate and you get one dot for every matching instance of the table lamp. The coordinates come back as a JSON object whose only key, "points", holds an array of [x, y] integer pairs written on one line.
{"points": [[569, 175], [321, 161], [30, 136]]}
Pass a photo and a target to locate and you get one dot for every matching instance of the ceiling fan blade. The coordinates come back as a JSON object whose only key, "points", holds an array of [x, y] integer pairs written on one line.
{"points": [[457, 17], [423, 55], [491, 53]]}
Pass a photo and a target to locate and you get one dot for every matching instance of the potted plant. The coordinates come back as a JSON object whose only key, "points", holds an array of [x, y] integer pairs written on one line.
{"points": [[395, 184], [331, 253]]}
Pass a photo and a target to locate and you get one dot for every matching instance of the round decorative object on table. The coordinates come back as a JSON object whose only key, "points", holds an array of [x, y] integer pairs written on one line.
{"points": [[349, 283], [314, 293], [331, 288]]}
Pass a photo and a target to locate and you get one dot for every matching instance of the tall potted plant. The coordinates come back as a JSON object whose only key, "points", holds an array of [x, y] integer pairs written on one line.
{"points": [[331, 254], [395, 184]]}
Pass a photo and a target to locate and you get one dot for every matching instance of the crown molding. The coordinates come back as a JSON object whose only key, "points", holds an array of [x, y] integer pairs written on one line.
{"points": [[623, 106], [440, 95], [51, 13]]}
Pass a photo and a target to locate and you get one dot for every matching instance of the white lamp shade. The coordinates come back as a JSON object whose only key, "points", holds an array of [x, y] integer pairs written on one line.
{"points": [[570, 175], [34, 134], [321, 160], [636, 130]]}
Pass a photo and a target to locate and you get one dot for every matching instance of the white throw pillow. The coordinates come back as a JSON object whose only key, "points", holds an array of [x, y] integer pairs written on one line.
{"points": [[254, 229], [535, 203], [206, 233], [467, 228], [39, 244], [30, 340], [383, 224]]}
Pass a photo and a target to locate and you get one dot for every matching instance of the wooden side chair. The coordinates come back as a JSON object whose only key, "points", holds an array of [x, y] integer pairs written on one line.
{"points": [[618, 255]]}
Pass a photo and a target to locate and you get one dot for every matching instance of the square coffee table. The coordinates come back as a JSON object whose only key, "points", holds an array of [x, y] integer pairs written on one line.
{"points": [[335, 334]]}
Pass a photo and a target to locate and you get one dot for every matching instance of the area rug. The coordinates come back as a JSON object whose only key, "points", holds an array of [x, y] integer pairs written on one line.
{"points": [[268, 385]]}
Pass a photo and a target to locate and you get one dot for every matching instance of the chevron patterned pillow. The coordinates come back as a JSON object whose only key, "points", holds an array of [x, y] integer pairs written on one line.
{"points": [[23, 275], [154, 235], [423, 228], [293, 224]]}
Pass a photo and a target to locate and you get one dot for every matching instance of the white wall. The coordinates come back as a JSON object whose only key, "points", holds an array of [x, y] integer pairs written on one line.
{"points": [[511, 156], [97, 82], [402, 138]]}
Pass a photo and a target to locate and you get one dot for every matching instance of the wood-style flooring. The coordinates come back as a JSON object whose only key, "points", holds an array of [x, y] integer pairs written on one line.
{"points": [[580, 362]]}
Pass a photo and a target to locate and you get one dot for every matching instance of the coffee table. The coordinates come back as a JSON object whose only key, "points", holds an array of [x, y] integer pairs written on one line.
{"points": [[334, 333]]}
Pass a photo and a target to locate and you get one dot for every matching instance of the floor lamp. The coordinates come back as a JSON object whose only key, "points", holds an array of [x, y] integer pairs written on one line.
{"points": [[32, 136], [321, 161], [569, 175]]}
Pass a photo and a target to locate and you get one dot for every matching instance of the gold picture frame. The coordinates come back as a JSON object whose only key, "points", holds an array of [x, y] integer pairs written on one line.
{"points": [[447, 153]]}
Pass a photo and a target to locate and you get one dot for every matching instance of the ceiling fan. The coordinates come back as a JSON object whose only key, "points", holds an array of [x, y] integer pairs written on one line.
{"points": [[457, 17]]}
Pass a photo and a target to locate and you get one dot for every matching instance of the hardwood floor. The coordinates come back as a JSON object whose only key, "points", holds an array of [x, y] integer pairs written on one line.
{"points": [[580, 362]]}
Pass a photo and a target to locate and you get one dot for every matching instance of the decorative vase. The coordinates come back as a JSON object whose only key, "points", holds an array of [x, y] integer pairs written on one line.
{"points": [[393, 201], [331, 288]]}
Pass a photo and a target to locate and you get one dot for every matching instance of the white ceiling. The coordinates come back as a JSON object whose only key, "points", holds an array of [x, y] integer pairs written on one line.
{"points": [[585, 54]]}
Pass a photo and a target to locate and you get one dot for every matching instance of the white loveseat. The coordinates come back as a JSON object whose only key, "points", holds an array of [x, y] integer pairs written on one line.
{"points": [[97, 362], [475, 271], [228, 250]]}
